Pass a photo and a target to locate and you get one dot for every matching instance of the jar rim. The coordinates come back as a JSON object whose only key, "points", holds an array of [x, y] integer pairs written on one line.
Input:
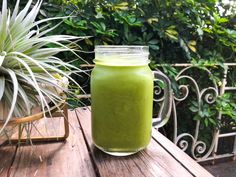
{"points": [[122, 48], [121, 54], [116, 46]]}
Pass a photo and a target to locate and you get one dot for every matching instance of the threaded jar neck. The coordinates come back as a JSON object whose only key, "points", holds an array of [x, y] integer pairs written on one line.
{"points": [[121, 55]]}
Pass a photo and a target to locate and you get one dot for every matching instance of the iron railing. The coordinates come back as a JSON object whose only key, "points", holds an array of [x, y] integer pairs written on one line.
{"points": [[190, 139]]}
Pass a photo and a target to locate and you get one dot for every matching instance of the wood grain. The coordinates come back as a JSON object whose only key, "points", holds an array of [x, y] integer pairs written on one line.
{"points": [[62, 159], [7, 155], [154, 161], [178, 154]]}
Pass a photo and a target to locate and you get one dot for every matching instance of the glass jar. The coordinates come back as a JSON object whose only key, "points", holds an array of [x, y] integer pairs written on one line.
{"points": [[122, 99]]}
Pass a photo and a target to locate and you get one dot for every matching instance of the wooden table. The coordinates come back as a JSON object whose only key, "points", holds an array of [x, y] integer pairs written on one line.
{"points": [[77, 157]]}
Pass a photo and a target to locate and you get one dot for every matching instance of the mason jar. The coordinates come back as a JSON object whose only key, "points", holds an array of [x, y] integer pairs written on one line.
{"points": [[121, 99]]}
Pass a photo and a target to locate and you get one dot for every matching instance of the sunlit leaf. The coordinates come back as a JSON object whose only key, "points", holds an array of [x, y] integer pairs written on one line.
{"points": [[152, 20]]}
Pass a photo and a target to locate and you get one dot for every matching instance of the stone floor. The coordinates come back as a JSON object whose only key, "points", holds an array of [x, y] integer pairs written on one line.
{"points": [[224, 169]]}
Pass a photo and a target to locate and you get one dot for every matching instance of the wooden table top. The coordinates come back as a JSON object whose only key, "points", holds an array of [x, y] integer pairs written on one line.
{"points": [[77, 156]]}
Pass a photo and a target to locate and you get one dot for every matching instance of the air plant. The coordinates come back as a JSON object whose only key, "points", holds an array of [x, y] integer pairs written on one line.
{"points": [[29, 69]]}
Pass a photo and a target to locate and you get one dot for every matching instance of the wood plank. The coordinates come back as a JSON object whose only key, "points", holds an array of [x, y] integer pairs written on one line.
{"points": [[61, 159], [182, 157], [154, 161], [7, 154]]}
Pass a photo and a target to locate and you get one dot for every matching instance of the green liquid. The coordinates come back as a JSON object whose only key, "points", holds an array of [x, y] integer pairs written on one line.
{"points": [[122, 98]]}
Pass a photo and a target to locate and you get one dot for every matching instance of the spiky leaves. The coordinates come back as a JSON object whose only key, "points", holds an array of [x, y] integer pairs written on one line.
{"points": [[27, 65]]}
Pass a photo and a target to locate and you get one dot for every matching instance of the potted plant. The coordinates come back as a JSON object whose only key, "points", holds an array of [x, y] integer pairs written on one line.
{"points": [[31, 73]]}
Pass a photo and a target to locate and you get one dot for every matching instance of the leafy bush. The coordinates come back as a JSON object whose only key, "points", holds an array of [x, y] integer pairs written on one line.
{"points": [[175, 31]]}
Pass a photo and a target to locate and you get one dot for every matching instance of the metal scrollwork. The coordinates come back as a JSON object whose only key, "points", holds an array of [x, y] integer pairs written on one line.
{"points": [[189, 86], [198, 148], [158, 94]]}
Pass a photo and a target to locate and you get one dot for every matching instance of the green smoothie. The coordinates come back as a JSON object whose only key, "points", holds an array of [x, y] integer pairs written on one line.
{"points": [[122, 98]]}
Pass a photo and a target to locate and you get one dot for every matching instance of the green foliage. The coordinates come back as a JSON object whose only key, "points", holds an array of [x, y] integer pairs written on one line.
{"points": [[175, 31], [226, 106], [208, 113]]}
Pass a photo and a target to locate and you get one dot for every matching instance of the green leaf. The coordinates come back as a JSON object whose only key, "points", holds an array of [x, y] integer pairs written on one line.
{"points": [[222, 20], [206, 122], [195, 103], [121, 6], [103, 26], [153, 41], [152, 20], [207, 30], [196, 117], [212, 121], [154, 47], [194, 109]]}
